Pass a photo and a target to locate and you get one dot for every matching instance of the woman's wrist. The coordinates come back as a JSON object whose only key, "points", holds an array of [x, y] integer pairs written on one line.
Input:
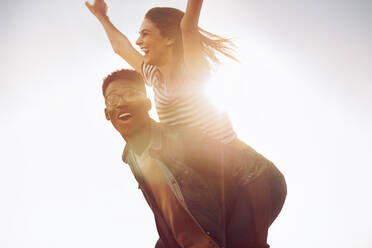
{"points": [[102, 18]]}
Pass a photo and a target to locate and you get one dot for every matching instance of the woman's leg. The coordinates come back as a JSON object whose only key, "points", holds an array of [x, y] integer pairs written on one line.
{"points": [[256, 207], [159, 244]]}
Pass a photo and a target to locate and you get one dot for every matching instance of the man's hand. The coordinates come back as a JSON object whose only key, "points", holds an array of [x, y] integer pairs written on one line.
{"points": [[99, 8]]}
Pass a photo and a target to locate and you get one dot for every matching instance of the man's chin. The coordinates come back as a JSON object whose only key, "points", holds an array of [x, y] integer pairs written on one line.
{"points": [[124, 129], [129, 127], [125, 133]]}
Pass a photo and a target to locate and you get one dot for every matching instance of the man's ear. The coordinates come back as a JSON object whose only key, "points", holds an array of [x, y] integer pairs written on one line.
{"points": [[107, 115]]}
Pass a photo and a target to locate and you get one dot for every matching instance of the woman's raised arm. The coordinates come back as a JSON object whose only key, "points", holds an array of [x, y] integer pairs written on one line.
{"points": [[119, 42], [192, 46]]}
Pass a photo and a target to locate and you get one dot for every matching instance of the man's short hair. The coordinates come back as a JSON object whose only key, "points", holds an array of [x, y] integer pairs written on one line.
{"points": [[130, 75]]}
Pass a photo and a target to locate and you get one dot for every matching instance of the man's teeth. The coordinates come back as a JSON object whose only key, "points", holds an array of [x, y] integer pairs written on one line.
{"points": [[145, 50], [125, 116]]}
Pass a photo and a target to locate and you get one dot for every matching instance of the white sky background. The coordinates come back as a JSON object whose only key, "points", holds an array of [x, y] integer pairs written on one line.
{"points": [[301, 96]]}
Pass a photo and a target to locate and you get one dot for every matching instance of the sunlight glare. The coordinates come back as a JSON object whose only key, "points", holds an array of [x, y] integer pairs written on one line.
{"points": [[222, 90]]}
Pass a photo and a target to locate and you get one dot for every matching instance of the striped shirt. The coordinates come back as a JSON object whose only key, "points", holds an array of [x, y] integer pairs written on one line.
{"points": [[189, 108]]}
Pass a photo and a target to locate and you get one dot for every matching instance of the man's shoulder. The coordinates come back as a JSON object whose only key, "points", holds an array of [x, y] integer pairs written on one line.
{"points": [[188, 142], [163, 136], [181, 133], [124, 156]]}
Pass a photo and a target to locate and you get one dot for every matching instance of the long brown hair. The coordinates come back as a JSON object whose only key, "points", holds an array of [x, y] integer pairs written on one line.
{"points": [[168, 21]]}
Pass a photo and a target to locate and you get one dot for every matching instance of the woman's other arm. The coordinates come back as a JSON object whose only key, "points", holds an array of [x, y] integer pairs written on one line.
{"points": [[192, 46], [119, 42]]}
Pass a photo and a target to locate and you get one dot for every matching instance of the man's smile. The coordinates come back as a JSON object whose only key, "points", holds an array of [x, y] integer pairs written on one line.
{"points": [[124, 116]]}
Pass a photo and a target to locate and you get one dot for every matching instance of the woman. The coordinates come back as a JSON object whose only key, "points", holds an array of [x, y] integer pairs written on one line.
{"points": [[177, 59]]}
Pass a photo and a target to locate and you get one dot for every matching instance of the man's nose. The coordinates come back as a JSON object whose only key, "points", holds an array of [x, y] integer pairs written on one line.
{"points": [[122, 103]]}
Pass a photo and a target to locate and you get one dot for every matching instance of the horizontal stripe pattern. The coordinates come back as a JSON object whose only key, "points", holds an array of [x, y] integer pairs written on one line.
{"points": [[188, 109]]}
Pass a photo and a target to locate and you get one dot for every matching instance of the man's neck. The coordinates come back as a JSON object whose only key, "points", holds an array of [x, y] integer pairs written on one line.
{"points": [[140, 140]]}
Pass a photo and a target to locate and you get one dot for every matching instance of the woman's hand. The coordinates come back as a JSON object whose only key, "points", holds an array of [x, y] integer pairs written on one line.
{"points": [[191, 18], [119, 42], [99, 8]]}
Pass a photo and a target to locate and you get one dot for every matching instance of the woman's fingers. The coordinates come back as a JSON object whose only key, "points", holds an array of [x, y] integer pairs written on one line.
{"points": [[88, 5], [98, 8]]}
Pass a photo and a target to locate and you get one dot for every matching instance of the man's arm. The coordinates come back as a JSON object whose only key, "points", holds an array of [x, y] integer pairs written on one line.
{"points": [[119, 42]]}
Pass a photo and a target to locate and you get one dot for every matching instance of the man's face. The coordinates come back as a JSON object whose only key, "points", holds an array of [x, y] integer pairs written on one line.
{"points": [[126, 106]]}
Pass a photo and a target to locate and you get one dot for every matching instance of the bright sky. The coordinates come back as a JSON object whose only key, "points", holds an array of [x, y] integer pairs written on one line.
{"points": [[301, 96]]}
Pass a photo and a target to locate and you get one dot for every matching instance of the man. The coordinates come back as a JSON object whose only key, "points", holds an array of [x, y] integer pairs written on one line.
{"points": [[203, 193]]}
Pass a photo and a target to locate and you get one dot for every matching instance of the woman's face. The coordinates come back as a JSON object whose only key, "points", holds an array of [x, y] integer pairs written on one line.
{"points": [[155, 47]]}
